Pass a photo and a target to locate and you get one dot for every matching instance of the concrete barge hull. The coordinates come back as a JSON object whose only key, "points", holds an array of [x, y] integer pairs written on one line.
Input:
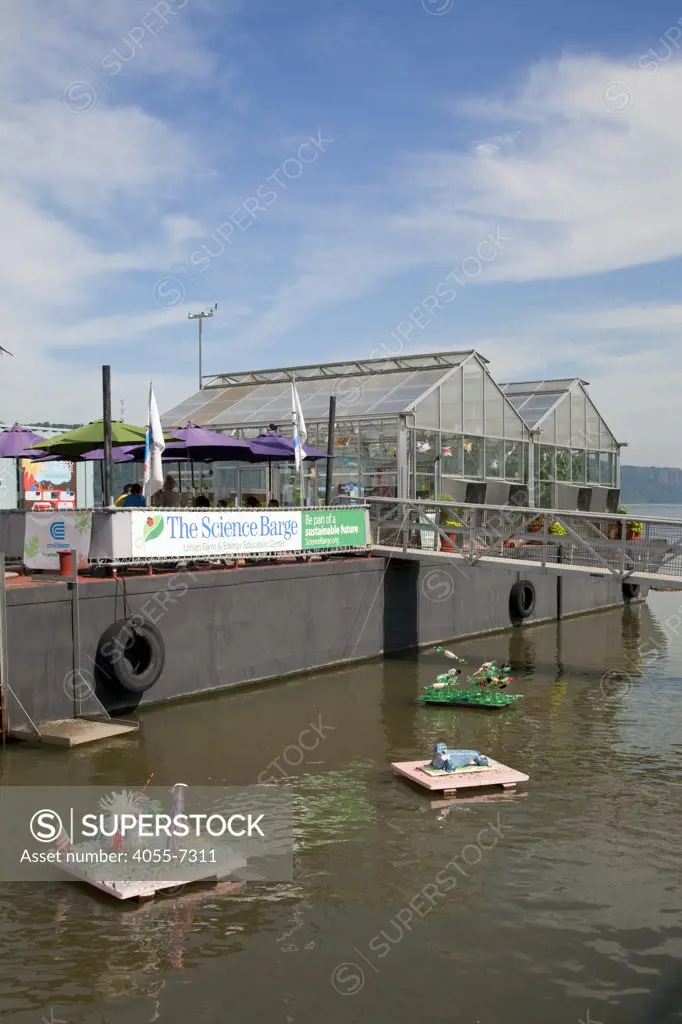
{"points": [[228, 628]]}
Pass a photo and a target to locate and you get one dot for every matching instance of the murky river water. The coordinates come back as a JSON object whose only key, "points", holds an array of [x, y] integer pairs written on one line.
{"points": [[561, 903]]}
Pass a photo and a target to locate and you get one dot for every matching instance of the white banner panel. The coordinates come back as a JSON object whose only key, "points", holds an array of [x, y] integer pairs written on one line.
{"points": [[204, 533], [48, 533]]}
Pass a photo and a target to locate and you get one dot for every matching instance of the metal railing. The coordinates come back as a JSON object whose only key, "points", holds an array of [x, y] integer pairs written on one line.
{"points": [[592, 543]]}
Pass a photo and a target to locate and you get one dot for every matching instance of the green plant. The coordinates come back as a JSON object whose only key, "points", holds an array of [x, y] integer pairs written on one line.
{"points": [[447, 514], [557, 530], [634, 525]]}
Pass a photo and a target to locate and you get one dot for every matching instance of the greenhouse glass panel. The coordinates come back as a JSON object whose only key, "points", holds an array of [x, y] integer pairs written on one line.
{"points": [[592, 426], [546, 462], [534, 408], [606, 474], [593, 467], [494, 409], [577, 466], [473, 457], [563, 465], [546, 495], [513, 423], [606, 438], [494, 458], [473, 397], [451, 403], [451, 462], [379, 458], [427, 411], [426, 447], [578, 435], [547, 431], [402, 390], [562, 422], [513, 460]]}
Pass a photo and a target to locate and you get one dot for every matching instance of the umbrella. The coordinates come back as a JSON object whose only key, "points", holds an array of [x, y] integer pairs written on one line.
{"points": [[276, 446], [201, 445], [84, 439], [15, 440]]}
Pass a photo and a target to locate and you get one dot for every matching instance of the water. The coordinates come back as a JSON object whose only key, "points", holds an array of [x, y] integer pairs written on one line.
{"points": [[565, 898], [660, 511]]}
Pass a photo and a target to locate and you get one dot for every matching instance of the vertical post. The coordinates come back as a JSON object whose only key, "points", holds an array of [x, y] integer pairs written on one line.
{"points": [[545, 538], [560, 585], [76, 634], [201, 353], [404, 489], [3, 651], [531, 472], [330, 450], [107, 497]]}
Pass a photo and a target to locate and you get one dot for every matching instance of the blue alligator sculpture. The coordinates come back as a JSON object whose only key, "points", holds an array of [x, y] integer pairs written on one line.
{"points": [[447, 760]]}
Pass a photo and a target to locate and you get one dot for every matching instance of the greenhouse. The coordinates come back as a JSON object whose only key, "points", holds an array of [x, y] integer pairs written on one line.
{"points": [[419, 426]]}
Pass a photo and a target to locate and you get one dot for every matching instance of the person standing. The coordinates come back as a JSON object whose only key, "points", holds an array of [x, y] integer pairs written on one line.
{"points": [[167, 497]]}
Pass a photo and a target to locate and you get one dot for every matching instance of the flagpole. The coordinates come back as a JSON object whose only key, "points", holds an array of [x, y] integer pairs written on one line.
{"points": [[297, 441]]}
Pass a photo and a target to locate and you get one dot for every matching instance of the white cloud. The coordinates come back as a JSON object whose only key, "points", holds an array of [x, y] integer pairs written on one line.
{"points": [[81, 194]]}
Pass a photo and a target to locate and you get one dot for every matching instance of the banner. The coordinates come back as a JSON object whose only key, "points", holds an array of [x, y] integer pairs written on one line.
{"points": [[48, 485], [200, 533], [48, 533], [334, 528]]}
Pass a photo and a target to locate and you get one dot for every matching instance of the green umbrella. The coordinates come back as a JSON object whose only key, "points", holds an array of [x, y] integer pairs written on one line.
{"points": [[84, 439]]}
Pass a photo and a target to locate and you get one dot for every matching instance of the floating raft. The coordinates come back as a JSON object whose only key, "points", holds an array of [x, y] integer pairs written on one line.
{"points": [[468, 697], [495, 774], [152, 880]]}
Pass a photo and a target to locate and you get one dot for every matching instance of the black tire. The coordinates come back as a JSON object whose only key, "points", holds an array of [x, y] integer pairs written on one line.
{"points": [[521, 601], [133, 652], [630, 592]]}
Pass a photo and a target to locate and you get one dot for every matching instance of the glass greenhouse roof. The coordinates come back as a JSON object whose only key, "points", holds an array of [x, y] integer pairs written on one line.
{"points": [[534, 399], [375, 387]]}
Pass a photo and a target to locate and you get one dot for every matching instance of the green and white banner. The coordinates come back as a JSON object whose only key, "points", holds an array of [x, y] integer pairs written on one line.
{"points": [[218, 533], [334, 528]]}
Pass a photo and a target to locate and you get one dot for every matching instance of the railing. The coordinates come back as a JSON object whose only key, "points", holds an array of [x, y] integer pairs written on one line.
{"points": [[595, 543]]}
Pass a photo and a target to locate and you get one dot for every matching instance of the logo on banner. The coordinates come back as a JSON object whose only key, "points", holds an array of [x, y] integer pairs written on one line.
{"points": [[153, 527], [58, 530]]}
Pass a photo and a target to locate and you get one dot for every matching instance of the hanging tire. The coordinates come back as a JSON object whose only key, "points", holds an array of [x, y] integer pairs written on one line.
{"points": [[132, 651], [630, 592], [521, 601]]}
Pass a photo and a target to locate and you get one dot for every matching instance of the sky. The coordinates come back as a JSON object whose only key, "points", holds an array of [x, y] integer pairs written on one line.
{"points": [[343, 180]]}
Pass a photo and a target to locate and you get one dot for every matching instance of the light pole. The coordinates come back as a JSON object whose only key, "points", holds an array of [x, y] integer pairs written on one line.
{"points": [[201, 317]]}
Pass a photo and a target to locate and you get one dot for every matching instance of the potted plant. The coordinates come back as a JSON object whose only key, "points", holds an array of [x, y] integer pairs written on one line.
{"points": [[635, 528], [449, 524]]}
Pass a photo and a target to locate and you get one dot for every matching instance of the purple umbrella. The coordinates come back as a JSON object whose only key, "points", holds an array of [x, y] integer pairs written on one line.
{"points": [[201, 445], [276, 446], [119, 454], [14, 441]]}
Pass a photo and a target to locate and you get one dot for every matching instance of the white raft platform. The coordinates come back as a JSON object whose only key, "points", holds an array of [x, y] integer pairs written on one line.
{"points": [[449, 783], [146, 889]]}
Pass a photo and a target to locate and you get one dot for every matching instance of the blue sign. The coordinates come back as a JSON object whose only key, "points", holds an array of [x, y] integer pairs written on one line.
{"points": [[58, 530]]}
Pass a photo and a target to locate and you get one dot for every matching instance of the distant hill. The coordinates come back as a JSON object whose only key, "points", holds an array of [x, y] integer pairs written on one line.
{"points": [[644, 485]]}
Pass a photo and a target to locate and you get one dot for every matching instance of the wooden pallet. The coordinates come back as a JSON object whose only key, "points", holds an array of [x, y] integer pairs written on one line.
{"points": [[147, 888], [498, 775]]}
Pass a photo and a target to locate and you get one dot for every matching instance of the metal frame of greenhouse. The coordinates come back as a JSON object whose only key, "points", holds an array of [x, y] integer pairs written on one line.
{"points": [[420, 426]]}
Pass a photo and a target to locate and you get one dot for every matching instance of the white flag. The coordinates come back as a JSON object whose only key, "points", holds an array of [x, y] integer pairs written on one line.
{"points": [[154, 446], [300, 432]]}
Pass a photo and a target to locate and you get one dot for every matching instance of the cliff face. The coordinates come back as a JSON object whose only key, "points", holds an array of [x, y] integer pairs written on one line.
{"points": [[650, 484]]}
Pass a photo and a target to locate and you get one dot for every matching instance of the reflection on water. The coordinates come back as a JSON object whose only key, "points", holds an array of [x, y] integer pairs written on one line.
{"points": [[576, 906]]}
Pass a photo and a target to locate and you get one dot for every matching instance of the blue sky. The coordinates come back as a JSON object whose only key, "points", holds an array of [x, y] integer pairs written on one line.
{"points": [[328, 173]]}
